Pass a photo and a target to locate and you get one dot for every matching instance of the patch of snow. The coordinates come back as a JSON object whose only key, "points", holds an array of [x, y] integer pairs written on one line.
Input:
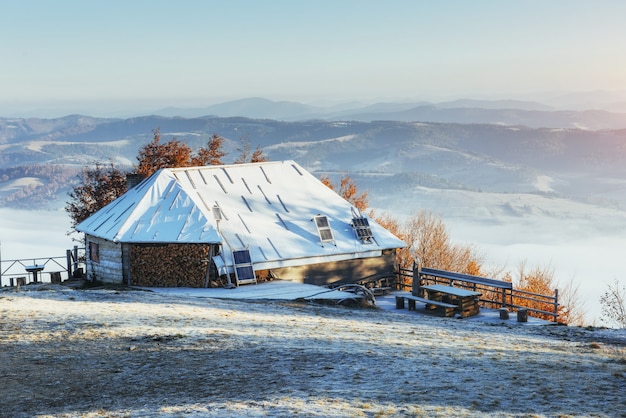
{"points": [[20, 183], [307, 144], [114, 353], [38, 145]]}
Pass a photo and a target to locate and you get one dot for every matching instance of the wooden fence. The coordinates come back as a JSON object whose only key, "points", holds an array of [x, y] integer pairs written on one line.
{"points": [[536, 304]]}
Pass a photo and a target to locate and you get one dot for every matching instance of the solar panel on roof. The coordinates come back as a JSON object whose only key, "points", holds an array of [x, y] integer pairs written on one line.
{"points": [[360, 222], [362, 228], [326, 235], [321, 221], [323, 228]]}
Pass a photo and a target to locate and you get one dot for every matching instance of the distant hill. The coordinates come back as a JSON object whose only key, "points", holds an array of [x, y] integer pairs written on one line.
{"points": [[252, 107], [385, 156], [503, 112]]}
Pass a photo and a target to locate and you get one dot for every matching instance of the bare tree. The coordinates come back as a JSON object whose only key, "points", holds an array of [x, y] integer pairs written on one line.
{"points": [[572, 305], [246, 155], [613, 302]]}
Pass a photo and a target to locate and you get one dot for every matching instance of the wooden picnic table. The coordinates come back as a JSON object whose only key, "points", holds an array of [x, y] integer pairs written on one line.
{"points": [[466, 301]]}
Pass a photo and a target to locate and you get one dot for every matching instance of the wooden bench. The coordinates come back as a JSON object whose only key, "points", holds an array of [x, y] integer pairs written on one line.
{"points": [[476, 280], [446, 309]]}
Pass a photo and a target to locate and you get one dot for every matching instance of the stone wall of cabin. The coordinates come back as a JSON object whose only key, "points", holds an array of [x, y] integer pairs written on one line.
{"points": [[347, 271], [106, 265], [168, 265]]}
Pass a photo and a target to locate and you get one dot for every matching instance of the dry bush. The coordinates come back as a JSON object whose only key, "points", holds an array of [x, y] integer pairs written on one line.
{"points": [[536, 281], [429, 245]]}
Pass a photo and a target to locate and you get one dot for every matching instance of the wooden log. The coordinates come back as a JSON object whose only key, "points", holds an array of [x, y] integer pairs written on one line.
{"points": [[504, 313], [522, 315]]}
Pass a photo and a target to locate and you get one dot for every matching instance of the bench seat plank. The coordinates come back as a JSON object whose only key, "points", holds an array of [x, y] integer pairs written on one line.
{"points": [[431, 302]]}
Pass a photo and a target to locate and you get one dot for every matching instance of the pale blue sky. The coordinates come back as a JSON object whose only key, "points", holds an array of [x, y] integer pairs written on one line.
{"points": [[159, 53]]}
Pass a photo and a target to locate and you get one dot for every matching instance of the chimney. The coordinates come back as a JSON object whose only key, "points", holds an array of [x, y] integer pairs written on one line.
{"points": [[132, 180]]}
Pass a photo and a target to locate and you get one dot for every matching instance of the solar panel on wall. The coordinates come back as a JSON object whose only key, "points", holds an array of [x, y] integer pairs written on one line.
{"points": [[244, 271], [242, 257]]}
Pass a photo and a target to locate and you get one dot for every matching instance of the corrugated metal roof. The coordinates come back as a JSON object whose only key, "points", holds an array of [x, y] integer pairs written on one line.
{"points": [[265, 207]]}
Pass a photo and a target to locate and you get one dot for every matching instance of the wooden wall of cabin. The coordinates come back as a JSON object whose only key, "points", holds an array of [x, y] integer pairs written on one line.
{"points": [[347, 271], [168, 265], [103, 260]]}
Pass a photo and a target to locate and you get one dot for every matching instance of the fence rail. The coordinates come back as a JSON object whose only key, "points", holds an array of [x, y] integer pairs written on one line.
{"points": [[27, 270], [515, 299]]}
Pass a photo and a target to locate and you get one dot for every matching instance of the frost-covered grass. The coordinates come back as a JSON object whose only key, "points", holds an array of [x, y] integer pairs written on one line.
{"points": [[96, 353]]}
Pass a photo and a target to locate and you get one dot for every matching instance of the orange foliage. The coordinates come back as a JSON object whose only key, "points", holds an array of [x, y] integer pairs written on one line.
{"points": [[539, 281], [155, 155], [348, 190], [212, 154]]}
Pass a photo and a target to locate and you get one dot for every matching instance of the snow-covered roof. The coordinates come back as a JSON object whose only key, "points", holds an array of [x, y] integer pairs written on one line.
{"points": [[267, 208]]}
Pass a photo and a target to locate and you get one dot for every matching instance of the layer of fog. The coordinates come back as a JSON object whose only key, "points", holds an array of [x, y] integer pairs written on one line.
{"points": [[582, 243]]}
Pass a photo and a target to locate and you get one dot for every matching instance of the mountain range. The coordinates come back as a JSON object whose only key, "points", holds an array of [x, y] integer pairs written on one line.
{"points": [[383, 155], [501, 112]]}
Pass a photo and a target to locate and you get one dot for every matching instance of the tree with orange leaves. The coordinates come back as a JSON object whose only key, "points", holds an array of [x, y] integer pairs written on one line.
{"points": [[173, 153], [212, 154], [348, 190], [157, 155]]}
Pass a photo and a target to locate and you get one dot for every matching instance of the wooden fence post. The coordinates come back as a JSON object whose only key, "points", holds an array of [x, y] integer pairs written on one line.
{"points": [[68, 258], [416, 285], [399, 284], [556, 305]]}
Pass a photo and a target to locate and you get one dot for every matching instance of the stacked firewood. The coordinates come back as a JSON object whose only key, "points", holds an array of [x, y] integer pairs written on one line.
{"points": [[169, 265]]}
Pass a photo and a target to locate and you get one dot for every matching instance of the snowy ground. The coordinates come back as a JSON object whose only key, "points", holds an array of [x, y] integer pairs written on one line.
{"points": [[96, 353]]}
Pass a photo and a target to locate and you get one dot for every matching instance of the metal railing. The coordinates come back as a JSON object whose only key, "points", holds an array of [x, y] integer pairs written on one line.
{"points": [[36, 270]]}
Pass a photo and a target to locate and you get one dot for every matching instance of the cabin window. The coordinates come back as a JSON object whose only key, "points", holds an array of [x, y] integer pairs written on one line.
{"points": [[94, 252]]}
